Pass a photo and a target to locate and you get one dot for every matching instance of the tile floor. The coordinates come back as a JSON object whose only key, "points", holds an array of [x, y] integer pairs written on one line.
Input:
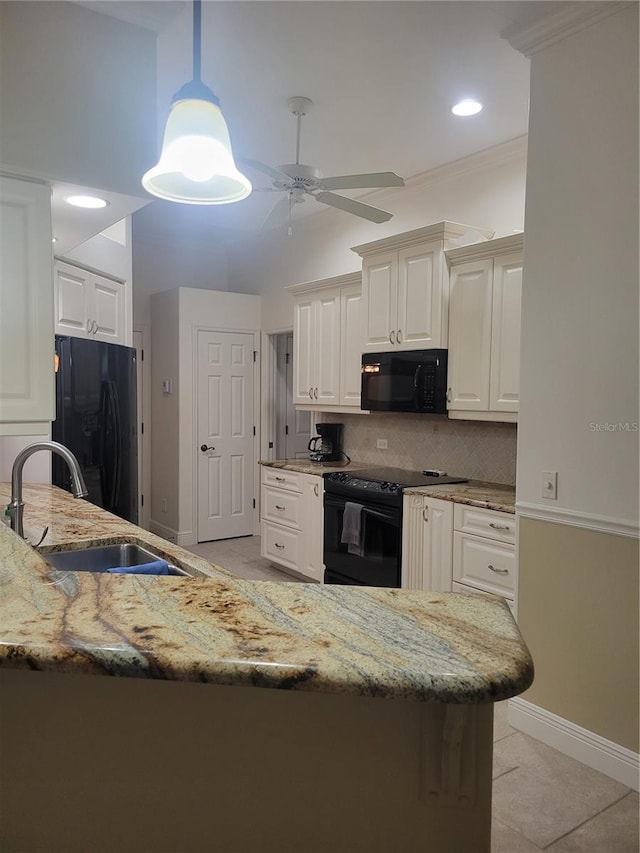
{"points": [[542, 800]]}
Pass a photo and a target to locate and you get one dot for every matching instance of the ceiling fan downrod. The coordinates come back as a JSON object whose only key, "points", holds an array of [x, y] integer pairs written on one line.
{"points": [[299, 106]]}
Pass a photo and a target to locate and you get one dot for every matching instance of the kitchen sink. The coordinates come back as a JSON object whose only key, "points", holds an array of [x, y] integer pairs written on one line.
{"points": [[105, 557]]}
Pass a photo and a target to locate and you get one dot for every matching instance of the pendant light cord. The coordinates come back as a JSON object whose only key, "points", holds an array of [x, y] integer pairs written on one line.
{"points": [[197, 40]]}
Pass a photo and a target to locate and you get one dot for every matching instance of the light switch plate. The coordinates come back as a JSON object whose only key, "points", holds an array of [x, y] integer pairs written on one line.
{"points": [[549, 485]]}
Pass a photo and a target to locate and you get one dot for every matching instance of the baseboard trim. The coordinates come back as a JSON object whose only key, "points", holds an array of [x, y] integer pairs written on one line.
{"points": [[164, 531], [591, 749]]}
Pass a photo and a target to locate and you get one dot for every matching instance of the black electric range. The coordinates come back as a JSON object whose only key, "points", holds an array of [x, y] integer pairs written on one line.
{"points": [[363, 523]]}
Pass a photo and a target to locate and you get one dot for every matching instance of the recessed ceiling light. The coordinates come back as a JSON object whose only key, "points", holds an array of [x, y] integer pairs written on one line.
{"points": [[468, 107], [86, 201]]}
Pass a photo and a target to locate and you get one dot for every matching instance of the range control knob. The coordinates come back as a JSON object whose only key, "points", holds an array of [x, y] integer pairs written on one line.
{"points": [[393, 487], [384, 486]]}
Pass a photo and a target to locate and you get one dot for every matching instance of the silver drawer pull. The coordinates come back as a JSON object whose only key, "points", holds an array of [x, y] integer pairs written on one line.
{"points": [[499, 526], [279, 546], [279, 507], [498, 571], [281, 479]]}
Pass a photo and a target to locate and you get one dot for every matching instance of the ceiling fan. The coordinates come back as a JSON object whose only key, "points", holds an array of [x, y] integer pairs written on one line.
{"points": [[299, 180]]}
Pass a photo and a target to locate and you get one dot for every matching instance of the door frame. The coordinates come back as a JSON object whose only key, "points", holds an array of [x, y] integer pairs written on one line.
{"points": [[196, 329], [144, 438]]}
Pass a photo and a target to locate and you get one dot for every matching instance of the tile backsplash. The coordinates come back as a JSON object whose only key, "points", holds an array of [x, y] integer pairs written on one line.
{"points": [[474, 449]]}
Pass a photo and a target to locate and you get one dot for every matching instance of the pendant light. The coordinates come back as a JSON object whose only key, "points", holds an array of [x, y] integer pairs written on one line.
{"points": [[196, 165]]}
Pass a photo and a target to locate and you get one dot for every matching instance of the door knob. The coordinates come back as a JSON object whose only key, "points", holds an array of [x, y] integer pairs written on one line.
{"points": [[204, 448]]}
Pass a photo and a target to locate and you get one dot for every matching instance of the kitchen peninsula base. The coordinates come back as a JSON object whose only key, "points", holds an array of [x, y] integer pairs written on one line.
{"points": [[121, 764]]}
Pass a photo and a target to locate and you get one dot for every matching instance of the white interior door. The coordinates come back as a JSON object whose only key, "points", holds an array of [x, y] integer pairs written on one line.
{"points": [[225, 431]]}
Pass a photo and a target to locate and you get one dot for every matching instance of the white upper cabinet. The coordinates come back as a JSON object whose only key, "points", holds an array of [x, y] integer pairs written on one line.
{"points": [[484, 330], [27, 399], [405, 289], [89, 305], [327, 343]]}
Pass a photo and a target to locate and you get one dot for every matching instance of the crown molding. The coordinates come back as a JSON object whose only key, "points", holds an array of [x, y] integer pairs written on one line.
{"points": [[325, 284], [438, 231], [488, 249], [559, 25]]}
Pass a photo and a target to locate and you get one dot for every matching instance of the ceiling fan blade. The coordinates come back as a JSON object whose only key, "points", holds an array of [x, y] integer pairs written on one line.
{"points": [[373, 214], [278, 215], [274, 174], [268, 190], [372, 180]]}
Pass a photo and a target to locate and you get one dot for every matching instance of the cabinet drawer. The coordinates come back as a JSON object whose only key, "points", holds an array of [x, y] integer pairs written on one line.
{"points": [[282, 479], [282, 507], [460, 587], [485, 522], [281, 544], [488, 565]]}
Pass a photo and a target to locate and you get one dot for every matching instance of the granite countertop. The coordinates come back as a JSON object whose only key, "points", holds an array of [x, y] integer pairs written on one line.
{"points": [[306, 466], [474, 493], [216, 628]]}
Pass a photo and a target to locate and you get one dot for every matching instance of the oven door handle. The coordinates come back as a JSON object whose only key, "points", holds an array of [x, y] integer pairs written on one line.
{"points": [[374, 514]]}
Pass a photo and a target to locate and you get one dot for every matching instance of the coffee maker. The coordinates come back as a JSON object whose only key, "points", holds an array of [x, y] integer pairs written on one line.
{"points": [[326, 446]]}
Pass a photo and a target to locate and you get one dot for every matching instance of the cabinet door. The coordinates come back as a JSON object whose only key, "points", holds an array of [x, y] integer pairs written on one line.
{"points": [[72, 292], [326, 384], [420, 297], [107, 309], [312, 564], [303, 355], [438, 545], [427, 544], [380, 302], [471, 286], [27, 402], [505, 333], [351, 329]]}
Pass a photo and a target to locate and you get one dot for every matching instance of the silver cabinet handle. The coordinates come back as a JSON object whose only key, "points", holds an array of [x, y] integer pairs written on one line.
{"points": [[311, 393], [279, 507], [425, 513], [281, 479], [392, 337], [498, 571], [279, 546], [448, 395], [90, 327], [499, 526], [399, 336], [315, 490], [315, 393]]}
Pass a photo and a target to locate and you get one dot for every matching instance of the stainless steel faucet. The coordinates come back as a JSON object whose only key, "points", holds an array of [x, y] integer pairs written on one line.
{"points": [[16, 506]]}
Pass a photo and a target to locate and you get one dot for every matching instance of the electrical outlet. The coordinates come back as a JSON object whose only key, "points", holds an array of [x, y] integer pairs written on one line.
{"points": [[164, 504], [549, 485], [382, 444]]}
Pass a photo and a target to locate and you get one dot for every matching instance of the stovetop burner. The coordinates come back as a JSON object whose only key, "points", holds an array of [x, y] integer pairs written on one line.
{"points": [[385, 481]]}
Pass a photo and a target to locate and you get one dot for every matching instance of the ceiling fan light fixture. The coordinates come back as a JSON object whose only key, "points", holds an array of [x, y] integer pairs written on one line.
{"points": [[196, 165], [466, 107]]}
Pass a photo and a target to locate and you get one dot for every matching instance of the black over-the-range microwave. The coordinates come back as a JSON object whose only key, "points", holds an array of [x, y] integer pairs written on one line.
{"points": [[405, 381]]}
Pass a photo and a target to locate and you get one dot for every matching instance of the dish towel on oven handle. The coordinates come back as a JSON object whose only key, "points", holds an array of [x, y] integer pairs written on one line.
{"points": [[353, 523]]}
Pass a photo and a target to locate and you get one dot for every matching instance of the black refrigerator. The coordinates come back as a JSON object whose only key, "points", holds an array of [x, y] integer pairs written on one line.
{"points": [[96, 418]]}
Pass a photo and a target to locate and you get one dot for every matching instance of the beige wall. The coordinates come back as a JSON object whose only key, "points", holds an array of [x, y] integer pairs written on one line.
{"points": [[578, 610], [578, 580]]}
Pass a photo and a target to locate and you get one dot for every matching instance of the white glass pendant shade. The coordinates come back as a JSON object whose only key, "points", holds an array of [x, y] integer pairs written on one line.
{"points": [[196, 165]]}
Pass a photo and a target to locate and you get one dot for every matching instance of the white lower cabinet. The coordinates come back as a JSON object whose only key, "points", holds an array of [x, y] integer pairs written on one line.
{"points": [[454, 547], [89, 305], [427, 530], [484, 552], [292, 521]]}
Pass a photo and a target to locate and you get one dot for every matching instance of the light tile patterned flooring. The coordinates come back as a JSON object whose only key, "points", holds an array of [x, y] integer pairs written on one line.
{"points": [[542, 800]]}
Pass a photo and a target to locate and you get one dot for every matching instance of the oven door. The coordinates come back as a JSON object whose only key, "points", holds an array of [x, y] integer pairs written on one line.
{"points": [[379, 564]]}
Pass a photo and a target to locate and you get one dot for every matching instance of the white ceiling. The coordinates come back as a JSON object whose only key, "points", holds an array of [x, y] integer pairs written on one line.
{"points": [[382, 76]]}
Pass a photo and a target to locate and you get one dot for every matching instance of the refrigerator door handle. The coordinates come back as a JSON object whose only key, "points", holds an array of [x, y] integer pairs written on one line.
{"points": [[110, 421]]}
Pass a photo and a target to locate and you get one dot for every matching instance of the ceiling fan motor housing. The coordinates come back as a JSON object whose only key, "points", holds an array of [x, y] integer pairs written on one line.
{"points": [[304, 177]]}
